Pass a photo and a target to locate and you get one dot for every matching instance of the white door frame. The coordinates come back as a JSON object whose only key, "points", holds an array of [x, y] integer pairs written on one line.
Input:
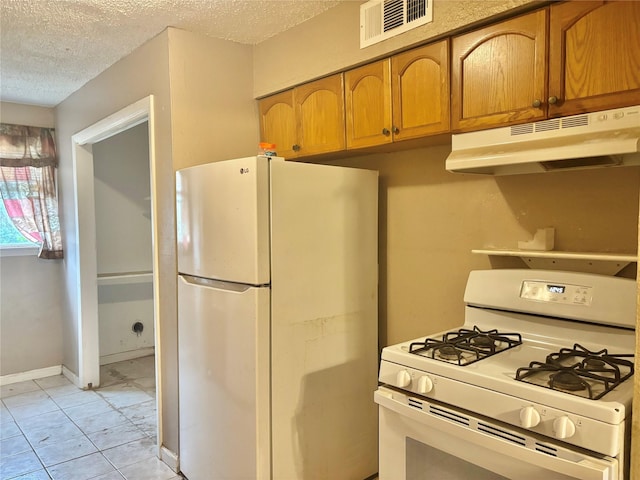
{"points": [[84, 207]]}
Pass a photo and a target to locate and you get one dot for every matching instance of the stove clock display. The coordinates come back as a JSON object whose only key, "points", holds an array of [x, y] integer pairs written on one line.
{"points": [[556, 288], [556, 293]]}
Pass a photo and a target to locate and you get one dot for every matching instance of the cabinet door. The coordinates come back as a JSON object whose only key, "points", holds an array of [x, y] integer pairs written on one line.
{"points": [[223, 354], [499, 74], [368, 104], [319, 108], [594, 56], [420, 83], [278, 124]]}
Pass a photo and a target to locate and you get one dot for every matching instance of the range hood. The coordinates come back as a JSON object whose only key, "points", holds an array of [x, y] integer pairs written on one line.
{"points": [[592, 140]]}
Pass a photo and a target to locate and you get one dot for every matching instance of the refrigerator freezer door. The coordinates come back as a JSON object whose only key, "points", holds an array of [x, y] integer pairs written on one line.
{"points": [[324, 321], [223, 220], [223, 340]]}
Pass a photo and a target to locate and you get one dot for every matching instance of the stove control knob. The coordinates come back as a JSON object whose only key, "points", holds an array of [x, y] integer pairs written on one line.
{"points": [[529, 417], [403, 379], [563, 427], [425, 385]]}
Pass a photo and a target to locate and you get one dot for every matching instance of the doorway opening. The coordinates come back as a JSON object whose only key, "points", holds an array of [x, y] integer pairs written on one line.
{"points": [[123, 246], [90, 278]]}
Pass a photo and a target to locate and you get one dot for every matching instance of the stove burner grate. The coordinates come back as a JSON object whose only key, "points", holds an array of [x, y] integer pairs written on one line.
{"points": [[465, 346], [577, 370]]}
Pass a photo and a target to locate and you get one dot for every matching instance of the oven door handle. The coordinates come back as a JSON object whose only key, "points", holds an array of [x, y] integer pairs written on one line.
{"points": [[585, 468]]}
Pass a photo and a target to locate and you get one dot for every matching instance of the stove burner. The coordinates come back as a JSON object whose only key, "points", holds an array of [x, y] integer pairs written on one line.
{"points": [[579, 371], [466, 346], [594, 364], [567, 380], [448, 352], [483, 341]]}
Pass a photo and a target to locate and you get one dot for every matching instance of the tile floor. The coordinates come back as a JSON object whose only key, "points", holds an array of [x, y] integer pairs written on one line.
{"points": [[49, 429]]}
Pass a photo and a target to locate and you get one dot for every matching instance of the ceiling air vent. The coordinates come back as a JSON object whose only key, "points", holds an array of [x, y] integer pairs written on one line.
{"points": [[382, 19]]}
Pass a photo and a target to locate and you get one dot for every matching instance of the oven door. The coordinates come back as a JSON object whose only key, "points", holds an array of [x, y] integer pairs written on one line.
{"points": [[421, 440]]}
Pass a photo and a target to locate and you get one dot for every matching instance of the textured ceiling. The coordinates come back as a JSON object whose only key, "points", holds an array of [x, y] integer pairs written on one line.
{"points": [[49, 49]]}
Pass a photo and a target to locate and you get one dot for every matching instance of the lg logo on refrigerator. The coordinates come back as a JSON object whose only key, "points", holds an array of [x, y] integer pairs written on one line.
{"points": [[244, 170]]}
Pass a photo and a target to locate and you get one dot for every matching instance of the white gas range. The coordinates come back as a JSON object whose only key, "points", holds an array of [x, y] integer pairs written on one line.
{"points": [[537, 383]]}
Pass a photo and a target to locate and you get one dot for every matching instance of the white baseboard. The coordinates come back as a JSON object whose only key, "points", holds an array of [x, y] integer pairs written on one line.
{"points": [[30, 375], [122, 356], [72, 377], [170, 458]]}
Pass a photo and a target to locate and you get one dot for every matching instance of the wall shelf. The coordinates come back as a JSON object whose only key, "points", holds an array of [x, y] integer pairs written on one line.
{"points": [[124, 278], [601, 263]]}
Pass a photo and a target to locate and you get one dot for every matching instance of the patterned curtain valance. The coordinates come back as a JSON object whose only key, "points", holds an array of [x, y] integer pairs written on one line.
{"points": [[22, 146]]}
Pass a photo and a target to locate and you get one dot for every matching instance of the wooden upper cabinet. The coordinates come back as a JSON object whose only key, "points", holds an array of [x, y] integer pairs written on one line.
{"points": [[306, 120], [278, 123], [499, 74], [565, 59], [594, 56], [368, 104], [320, 119], [399, 98], [420, 84]]}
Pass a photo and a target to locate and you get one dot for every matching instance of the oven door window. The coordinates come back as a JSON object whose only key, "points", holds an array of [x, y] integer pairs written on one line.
{"points": [[426, 463], [431, 441]]}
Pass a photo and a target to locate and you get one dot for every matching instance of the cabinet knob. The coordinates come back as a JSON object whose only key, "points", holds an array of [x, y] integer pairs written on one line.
{"points": [[296, 148], [386, 132], [536, 103], [553, 100], [396, 130]]}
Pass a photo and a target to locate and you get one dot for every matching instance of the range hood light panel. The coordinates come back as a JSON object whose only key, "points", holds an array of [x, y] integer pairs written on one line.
{"points": [[587, 162], [595, 140]]}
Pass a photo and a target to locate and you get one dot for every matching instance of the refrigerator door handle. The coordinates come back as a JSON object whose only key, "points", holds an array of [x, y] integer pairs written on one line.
{"points": [[216, 284]]}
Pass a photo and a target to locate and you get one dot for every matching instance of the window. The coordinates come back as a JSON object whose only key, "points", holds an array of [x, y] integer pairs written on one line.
{"points": [[29, 210], [10, 237]]}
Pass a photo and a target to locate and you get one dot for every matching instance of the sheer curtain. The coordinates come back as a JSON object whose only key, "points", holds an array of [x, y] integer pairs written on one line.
{"points": [[27, 185]]}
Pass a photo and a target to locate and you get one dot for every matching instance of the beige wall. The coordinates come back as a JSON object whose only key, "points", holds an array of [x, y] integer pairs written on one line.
{"points": [[214, 116], [31, 290], [122, 186], [430, 220], [330, 42], [27, 115], [144, 72], [204, 111]]}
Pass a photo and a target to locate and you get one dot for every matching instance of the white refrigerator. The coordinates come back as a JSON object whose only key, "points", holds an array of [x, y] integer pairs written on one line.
{"points": [[277, 320]]}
